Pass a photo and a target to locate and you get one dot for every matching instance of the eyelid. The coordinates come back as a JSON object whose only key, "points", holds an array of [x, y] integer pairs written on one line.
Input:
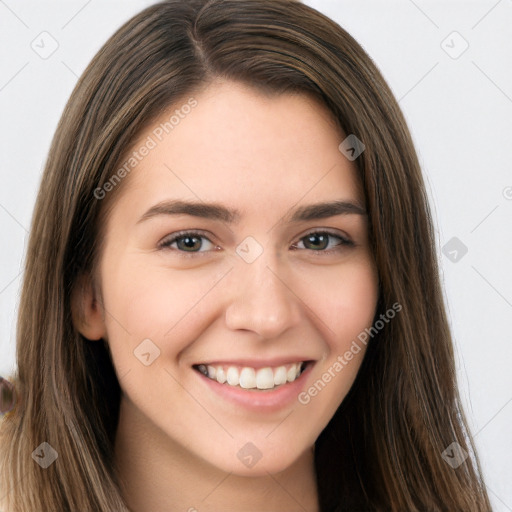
{"points": [[327, 231], [166, 242]]}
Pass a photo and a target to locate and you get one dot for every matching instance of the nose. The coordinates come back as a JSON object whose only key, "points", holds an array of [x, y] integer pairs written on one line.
{"points": [[261, 299]]}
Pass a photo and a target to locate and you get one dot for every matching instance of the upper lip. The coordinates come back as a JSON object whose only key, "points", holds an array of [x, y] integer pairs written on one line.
{"points": [[256, 363]]}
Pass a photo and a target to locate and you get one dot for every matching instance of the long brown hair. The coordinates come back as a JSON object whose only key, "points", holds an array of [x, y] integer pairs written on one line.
{"points": [[383, 448]]}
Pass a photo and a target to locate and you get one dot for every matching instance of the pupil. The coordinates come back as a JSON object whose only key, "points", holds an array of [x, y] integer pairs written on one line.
{"points": [[190, 242]]}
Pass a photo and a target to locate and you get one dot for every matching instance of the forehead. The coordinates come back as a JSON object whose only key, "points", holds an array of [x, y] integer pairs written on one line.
{"points": [[233, 144]]}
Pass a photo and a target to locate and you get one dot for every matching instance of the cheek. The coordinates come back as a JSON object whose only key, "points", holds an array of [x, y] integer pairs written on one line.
{"points": [[346, 305], [345, 300], [358, 302], [155, 302]]}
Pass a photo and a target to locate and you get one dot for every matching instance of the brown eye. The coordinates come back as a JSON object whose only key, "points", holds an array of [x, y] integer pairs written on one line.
{"points": [[316, 241], [187, 241], [323, 241]]}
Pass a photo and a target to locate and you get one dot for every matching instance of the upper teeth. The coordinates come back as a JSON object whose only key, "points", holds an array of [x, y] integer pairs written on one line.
{"points": [[250, 378]]}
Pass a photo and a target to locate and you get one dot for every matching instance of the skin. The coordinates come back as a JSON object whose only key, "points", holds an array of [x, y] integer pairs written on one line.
{"points": [[265, 156]]}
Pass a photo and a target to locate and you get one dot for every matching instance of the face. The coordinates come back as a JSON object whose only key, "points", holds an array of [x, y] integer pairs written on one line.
{"points": [[231, 298]]}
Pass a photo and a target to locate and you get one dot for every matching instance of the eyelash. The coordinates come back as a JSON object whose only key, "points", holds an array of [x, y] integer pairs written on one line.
{"points": [[166, 244]]}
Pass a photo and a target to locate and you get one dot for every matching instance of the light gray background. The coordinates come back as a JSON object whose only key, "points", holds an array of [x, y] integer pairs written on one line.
{"points": [[459, 109]]}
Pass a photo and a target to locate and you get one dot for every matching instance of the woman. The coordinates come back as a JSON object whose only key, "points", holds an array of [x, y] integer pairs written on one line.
{"points": [[231, 298]]}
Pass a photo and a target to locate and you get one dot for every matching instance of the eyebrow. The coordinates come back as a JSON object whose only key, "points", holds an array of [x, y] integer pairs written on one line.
{"points": [[219, 212]]}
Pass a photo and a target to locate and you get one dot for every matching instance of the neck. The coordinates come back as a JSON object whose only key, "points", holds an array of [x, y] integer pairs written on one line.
{"points": [[156, 473]]}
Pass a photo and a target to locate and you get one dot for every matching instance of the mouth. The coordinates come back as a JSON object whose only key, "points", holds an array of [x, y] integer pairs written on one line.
{"points": [[266, 378]]}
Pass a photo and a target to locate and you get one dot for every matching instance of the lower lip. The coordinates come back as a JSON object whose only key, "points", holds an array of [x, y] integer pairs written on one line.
{"points": [[260, 401]]}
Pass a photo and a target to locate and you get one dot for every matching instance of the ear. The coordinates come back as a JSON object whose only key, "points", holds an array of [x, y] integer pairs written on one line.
{"points": [[87, 309]]}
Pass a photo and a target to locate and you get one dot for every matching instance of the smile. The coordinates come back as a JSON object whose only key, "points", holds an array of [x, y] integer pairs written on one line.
{"points": [[251, 378]]}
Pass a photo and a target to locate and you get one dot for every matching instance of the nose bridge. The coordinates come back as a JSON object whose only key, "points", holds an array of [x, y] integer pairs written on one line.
{"points": [[260, 300]]}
